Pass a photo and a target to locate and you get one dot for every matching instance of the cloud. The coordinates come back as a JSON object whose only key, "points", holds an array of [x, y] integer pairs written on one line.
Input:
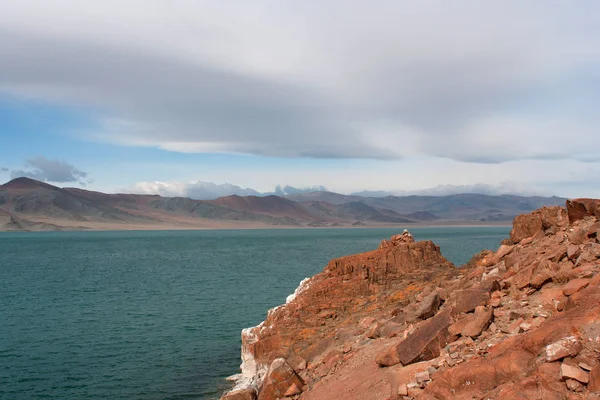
{"points": [[43, 169], [195, 190], [287, 189], [511, 188], [382, 80], [4, 169]]}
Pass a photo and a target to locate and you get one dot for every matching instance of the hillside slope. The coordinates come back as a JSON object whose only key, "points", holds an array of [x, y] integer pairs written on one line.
{"points": [[401, 322]]}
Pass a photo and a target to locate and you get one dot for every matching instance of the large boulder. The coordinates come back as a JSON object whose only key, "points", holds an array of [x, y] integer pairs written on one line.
{"points": [[280, 378], [577, 209], [528, 225], [243, 394], [424, 344]]}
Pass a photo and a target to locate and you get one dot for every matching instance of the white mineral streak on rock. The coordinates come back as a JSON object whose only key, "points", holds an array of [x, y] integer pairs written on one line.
{"points": [[304, 284], [252, 373]]}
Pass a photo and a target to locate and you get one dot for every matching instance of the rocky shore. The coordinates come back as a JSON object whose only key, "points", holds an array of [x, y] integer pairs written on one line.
{"points": [[402, 322]]}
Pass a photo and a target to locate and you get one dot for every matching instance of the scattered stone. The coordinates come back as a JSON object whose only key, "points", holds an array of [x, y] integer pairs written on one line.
{"points": [[569, 346], [244, 394], [573, 385], [374, 332], [594, 385], [422, 377], [577, 209], [574, 286], [483, 319], [293, 390], [429, 306], [514, 327], [585, 366], [574, 372], [424, 344], [279, 378], [402, 390]]}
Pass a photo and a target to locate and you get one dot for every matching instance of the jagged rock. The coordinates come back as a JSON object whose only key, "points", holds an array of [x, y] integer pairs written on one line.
{"points": [[402, 390], [278, 380], [577, 209], [573, 372], [421, 377], [429, 306], [502, 251], [464, 301], [569, 346], [388, 357], [389, 285], [244, 394], [424, 344], [528, 225], [293, 390], [574, 286], [482, 319], [374, 331], [573, 385], [594, 385]]}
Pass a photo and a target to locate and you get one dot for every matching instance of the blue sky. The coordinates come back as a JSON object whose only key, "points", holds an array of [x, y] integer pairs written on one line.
{"points": [[156, 96]]}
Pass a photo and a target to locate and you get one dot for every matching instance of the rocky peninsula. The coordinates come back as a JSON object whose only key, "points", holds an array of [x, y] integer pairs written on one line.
{"points": [[402, 322]]}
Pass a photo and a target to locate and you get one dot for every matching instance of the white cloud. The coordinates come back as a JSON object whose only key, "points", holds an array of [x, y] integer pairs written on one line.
{"points": [[43, 169], [469, 81]]}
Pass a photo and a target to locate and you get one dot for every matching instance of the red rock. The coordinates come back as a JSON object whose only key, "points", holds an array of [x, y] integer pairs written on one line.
{"points": [[502, 251], [551, 297], [457, 327], [429, 306], [514, 327], [464, 301], [528, 225], [423, 344], [573, 372], [577, 209], [244, 394], [293, 390], [575, 285], [573, 251], [483, 318], [278, 380], [402, 390], [573, 385], [421, 377], [374, 332], [388, 357], [569, 346], [594, 385]]}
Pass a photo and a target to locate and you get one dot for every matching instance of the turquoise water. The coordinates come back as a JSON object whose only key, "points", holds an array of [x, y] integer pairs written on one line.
{"points": [[157, 315]]}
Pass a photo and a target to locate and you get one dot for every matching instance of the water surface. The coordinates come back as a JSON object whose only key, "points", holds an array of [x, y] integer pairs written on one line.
{"points": [[157, 315]]}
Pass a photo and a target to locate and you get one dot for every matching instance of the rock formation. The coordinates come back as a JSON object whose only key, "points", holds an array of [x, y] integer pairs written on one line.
{"points": [[402, 322]]}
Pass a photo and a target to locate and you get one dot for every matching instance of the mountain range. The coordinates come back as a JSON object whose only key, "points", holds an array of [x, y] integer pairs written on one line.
{"points": [[27, 204]]}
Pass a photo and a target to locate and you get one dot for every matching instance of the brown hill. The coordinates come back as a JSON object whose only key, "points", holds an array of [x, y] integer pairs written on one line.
{"points": [[41, 206], [401, 322]]}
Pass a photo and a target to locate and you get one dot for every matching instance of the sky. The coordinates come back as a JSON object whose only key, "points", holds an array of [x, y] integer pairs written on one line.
{"points": [[167, 97]]}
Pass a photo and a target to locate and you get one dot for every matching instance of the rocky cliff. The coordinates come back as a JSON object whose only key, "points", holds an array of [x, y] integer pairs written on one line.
{"points": [[402, 322]]}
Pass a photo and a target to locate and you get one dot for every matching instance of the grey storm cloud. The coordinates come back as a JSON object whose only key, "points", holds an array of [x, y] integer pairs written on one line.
{"points": [[43, 169], [471, 81]]}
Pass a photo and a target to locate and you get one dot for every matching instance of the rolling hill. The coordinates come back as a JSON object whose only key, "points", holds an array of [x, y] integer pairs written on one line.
{"points": [[27, 204]]}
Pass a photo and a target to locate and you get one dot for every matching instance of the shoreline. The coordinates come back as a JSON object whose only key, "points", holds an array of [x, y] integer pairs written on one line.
{"points": [[225, 226]]}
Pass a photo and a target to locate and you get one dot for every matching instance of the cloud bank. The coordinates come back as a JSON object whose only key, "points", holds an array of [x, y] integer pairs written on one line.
{"points": [[43, 169], [478, 82], [209, 191]]}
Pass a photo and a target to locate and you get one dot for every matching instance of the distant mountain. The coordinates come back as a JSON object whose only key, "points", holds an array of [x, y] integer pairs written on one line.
{"points": [[456, 207], [27, 204]]}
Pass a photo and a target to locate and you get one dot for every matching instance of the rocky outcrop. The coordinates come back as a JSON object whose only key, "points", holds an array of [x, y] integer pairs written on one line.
{"points": [[401, 322]]}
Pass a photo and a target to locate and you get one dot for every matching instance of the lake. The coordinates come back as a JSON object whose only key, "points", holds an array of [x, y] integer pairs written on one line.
{"points": [[158, 315]]}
